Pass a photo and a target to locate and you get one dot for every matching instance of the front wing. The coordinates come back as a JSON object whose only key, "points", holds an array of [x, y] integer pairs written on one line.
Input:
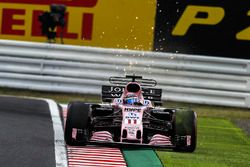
{"points": [[128, 145]]}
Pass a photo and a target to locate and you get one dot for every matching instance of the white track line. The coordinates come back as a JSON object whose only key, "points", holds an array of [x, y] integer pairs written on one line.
{"points": [[60, 148]]}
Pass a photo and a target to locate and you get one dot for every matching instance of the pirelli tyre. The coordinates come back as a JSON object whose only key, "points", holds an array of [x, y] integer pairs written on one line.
{"points": [[77, 124], [185, 127]]}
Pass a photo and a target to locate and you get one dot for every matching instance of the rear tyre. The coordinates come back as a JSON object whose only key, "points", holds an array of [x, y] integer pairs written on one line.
{"points": [[185, 125], [78, 118]]}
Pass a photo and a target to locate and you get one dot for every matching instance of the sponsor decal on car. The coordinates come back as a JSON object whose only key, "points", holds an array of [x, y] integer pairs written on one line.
{"points": [[132, 129], [132, 115], [118, 101], [132, 109], [188, 140], [146, 102]]}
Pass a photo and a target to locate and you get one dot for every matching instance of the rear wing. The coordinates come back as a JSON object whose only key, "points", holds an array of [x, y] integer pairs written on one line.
{"points": [[111, 92], [133, 78]]}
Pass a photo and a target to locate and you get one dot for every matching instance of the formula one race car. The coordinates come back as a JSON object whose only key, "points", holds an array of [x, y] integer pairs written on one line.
{"points": [[131, 115]]}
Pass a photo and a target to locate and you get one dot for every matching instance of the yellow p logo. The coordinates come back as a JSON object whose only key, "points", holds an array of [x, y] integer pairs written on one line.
{"points": [[189, 17]]}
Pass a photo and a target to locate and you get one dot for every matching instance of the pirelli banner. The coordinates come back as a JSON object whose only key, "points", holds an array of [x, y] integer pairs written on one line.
{"points": [[215, 28], [102, 23]]}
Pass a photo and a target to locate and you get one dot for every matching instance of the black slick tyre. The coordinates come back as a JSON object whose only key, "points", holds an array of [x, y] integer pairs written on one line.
{"points": [[78, 117], [185, 125]]}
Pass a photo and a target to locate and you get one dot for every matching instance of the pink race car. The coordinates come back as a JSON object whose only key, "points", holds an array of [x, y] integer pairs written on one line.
{"points": [[131, 115]]}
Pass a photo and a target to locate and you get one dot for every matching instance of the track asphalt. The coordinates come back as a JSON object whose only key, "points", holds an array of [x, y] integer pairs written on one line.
{"points": [[26, 133]]}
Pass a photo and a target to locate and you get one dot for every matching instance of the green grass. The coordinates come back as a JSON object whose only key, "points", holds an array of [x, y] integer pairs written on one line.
{"points": [[220, 142]]}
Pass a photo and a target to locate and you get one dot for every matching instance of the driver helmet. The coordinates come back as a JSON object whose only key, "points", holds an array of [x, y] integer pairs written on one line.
{"points": [[131, 98]]}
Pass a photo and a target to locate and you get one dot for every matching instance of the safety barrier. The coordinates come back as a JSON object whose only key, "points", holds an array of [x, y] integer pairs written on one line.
{"points": [[75, 69]]}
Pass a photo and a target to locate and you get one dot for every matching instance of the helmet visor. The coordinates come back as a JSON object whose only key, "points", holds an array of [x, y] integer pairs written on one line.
{"points": [[131, 100]]}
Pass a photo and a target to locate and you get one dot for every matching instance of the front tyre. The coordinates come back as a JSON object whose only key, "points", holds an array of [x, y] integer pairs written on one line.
{"points": [[185, 130], [77, 124]]}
